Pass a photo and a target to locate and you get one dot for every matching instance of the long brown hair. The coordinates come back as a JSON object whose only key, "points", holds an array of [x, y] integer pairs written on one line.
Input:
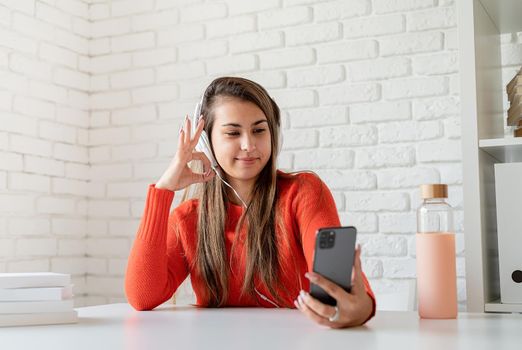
{"points": [[260, 216]]}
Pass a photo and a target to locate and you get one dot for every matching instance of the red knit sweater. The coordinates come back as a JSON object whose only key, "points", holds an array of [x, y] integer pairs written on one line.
{"points": [[160, 259]]}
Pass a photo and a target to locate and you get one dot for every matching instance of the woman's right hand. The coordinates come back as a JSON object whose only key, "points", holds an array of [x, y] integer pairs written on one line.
{"points": [[178, 175]]}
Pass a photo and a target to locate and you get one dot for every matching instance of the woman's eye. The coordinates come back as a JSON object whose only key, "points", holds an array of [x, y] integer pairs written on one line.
{"points": [[232, 133], [258, 131]]}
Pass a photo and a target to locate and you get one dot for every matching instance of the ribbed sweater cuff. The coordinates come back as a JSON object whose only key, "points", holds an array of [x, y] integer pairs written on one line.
{"points": [[153, 228]]}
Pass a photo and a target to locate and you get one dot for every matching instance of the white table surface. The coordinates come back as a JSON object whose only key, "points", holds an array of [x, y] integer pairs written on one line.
{"points": [[118, 326]]}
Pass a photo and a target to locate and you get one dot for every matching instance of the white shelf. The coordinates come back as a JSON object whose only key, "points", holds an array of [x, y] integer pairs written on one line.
{"points": [[497, 306], [505, 150], [505, 14]]}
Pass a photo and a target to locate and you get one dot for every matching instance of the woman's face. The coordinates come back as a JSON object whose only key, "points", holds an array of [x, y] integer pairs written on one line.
{"points": [[240, 138]]}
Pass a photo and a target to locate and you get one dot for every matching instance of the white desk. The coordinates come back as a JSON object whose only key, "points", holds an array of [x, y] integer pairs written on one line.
{"points": [[118, 326]]}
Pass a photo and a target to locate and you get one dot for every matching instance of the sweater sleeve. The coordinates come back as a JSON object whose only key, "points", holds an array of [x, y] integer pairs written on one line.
{"points": [[315, 208], [156, 265]]}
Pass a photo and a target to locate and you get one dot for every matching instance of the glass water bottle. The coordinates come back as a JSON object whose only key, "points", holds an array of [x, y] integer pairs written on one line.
{"points": [[435, 240]]}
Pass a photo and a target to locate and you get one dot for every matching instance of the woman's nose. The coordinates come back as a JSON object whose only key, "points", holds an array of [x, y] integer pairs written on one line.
{"points": [[248, 143]]}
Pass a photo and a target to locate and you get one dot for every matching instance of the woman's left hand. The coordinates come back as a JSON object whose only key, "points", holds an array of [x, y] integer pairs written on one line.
{"points": [[353, 308]]}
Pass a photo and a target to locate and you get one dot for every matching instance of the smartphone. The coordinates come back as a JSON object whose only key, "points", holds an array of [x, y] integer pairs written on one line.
{"points": [[333, 259]]}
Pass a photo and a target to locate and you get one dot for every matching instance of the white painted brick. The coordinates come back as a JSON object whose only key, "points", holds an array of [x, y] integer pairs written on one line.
{"points": [[72, 247], [347, 51], [348, 179], [411, 43], [69, 227], [7, 248], [14, 82], [294, 98], [12, 122], [439, 151], [317, 33], [30, 145], [338, 199], [379, 69], [133, 42], [155, 20], [36, 247], [511, 54], [238, 7], [10, 161], [415, 87], [111, 172], [154, 94], [96, 190], [99, 11], [107, 208], [109, 63], [33, 107], [25, 6], [365, 222], [182, 33], [406, 177], [443, 63], [348, 93], [3, 140], [153, 57], [303, 118], [232, 64], [409, 131], [285, 17], [70, 78], [57, 132], [387, 6], [256, 42], [299, 139], [29, 265], [374, 26], [78, 99], [43, 166], [349, 135], [149, 170], [16, 203], [17, 42], [6, 99], [135, 115], [99, 46], [126, 189], [380, 111], [200, 50], [3, 186], [77, 171], [452, 128], [117, 266], [28, 226], [74, 7], [29, 182], [99, 154], [341, 9], [108, 100], [435, 108], [124, 228], [55, 54], [132, 78], [53, 15], [230, 26], [34, 68], [398, 222], [73, 266], [182, 71], [372, 267], [48, 92], [96, 265], [315, 76], [133, 152], [99, 83], [286, 58], [116, 247], [99, 119], [203, 12], [55, 205], [32, 27], [323, 159], [71, 153], [137, 208], [451, 39], [96, 227], [128, 7], [376, 201], [105, 285], [450, 173], [75, 42], [383, 245], [399, 268], [155, 132], [436, 18], [379, 157], [69, 186]]}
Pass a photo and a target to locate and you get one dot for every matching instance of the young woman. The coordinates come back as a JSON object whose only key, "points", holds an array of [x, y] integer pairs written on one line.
{"points": [[247, 244]]}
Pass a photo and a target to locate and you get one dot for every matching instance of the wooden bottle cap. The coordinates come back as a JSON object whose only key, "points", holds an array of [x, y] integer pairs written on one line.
{"points": [[434, 191]]}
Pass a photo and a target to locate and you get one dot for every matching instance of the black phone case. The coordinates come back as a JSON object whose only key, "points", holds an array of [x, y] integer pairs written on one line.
{"points": [[334, 263]]}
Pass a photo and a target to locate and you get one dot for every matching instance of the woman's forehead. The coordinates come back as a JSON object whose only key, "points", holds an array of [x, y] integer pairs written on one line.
{"points": [[237, 111]]}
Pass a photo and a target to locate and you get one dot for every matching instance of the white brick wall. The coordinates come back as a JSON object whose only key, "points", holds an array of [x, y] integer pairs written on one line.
{"points": [[92, 94]]}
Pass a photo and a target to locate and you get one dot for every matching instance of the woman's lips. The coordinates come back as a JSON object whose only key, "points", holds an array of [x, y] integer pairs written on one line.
{"points": [[247, 161]]}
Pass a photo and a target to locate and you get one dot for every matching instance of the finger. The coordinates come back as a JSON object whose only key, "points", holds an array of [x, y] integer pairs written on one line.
{"points": [[202, 157], [316, 306], [187, 130], [311, 314], [198, 132], [357, 280], [329, 287], [181, 137], [196, 178]]}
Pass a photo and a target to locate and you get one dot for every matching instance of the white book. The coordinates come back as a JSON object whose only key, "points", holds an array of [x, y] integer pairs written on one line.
{"points": [[34, 294], [27, 307], [7, 320], [34, 279]]}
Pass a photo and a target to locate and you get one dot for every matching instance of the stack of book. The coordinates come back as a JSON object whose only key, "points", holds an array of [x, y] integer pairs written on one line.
{"points": [[36, 298], [514, 92]]}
